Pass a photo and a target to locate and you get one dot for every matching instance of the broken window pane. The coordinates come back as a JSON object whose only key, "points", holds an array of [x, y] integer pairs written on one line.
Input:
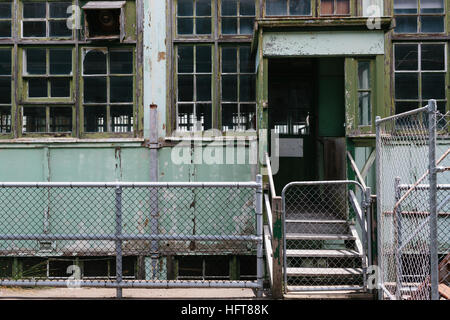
{"points": [[121, 62], [34, 29], [300, 7], [185, 88], [59, 9], [406, 56], [34, 119], [229, 25], [185, 117], [203, 87], [406, 24], [185, 25], [36, 61], [60, 87], [122, 118], [203, 59], [431, 6], [121, 89], [433, 56], [433, 85], [60, 119], [432, 24], [5, 10], [276, 7], [95, 119], [229, 88], [60, 61], [94, 89], [185, 8], [185, 59], [34, 10], [37, 88], [94, 62], [5, 62], [59, 28], [5, 90], [405, 6], [5, 119], [406, 85], [5, 29]]}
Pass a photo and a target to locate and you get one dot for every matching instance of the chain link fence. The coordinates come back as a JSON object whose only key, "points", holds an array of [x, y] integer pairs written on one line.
{"points": [[130, 235], [413, 205], [325, 249]]}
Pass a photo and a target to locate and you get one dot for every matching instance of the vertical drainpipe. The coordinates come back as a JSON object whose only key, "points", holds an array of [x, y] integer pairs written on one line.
{"points": [[154, 192]]}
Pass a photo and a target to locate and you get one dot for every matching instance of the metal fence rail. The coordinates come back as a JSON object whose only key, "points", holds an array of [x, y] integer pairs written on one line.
{"points": [[156, 222], [413, 202]]}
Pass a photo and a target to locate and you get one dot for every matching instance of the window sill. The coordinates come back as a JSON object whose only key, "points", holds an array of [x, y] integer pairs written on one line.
{"points": [[27, 140]]}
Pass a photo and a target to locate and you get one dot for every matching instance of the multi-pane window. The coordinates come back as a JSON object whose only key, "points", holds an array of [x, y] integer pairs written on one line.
{"points": [[108, 90], [47, 119], [420, 74], [238, 89], [46, 19], [5, 90], [5, 19], [47, 72], [194, 17], [214, 76], [419, 16], [237, 16], [364, 93], [288, 7], [194, 69], [334, 7]]}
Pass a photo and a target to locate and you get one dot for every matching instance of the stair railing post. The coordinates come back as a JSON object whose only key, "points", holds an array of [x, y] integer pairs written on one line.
{"points": [[277, 248]]}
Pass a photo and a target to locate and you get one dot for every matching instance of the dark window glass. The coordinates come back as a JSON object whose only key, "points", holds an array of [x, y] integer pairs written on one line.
{"points": [[95, 119], [406, 24], [5, 125], [34, 10], [94, 62], [59, 9], [203, 88], [247, 88], [406, 85], [433, 85], [406, 56], [246, 26], [185, 26], [276, 7], [300, 7], [59, 28], [229, 117], [203, 59], [229, 25], [403, 106], [60, 61], [34, 29], [37, 88], [363, 75], [203, 8], [248, 116], [5, 62], [432, 24], [36, 61], [95, 89], [247, 63], [5, 10], [204, 115], [185, 117], [229, 7], [185, 59], [185, 88], [121, 89], [229, 61], [5, 90], [60, 87], [121, 62], [405, 6], [34, 119], [185, 8], [122, 118], [431, 6], [5, 29], [247, 7], [60, 119], [203, 25], [229, 88], [433, 56]]}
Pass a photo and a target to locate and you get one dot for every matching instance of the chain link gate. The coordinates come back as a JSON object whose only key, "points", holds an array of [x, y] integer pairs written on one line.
{"points": [[324, 249], [159, 222], [413, 204]]}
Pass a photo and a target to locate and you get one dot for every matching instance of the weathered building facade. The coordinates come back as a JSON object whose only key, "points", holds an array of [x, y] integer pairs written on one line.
{"points": [[194, 90]]}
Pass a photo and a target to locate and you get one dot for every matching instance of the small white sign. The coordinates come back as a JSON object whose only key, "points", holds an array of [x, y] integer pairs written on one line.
{"points": [[291, 147]]}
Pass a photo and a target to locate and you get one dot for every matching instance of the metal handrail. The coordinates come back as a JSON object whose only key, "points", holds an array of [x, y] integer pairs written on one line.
{"points": [[356, 170], [269, 173]]}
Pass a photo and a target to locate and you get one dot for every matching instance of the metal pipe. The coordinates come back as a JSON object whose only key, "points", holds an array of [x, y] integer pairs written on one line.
{"points": [[378, 120], [154, 212], [250, 184], [118, 241], [123, 237], [259, 233], [379, 209], [397, 241]]}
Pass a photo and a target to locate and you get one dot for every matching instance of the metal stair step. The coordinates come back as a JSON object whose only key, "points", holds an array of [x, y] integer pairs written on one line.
{"points": [[306, 236], [314, 221], [323, 271], [322, 253], [324, 288]]}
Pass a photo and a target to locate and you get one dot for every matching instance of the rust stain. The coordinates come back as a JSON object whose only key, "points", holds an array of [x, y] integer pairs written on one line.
{"points": [[161, 56]]}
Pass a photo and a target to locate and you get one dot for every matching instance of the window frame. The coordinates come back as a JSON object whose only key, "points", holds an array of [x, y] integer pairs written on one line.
{"points": [[11, 104], [371, 90], [418, 16], [108, 104], [416, 103], [9, 19], [48, 121]]}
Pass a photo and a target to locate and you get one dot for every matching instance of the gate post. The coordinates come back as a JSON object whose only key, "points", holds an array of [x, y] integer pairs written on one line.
{"points": [[118, 240], [277, 248]]}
